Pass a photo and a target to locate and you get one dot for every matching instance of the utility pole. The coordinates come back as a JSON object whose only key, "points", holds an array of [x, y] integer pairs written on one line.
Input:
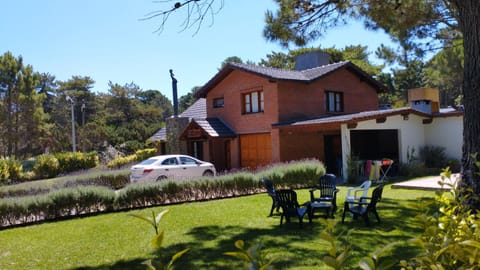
{"points": [[83, 125], [72, 105]]}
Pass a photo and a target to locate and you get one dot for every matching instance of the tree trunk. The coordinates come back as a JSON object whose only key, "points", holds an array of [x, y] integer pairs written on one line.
{"points": [[469, 20]]}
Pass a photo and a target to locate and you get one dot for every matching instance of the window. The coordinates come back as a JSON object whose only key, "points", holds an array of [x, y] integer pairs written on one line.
{"points": [[334, 101], [218, 103], [253, 102], [170, 161], [188, 161]]}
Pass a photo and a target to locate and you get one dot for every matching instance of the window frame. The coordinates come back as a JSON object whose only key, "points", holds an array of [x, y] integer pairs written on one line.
{"points": [[253, 102], [217, 101], [337, 98]]}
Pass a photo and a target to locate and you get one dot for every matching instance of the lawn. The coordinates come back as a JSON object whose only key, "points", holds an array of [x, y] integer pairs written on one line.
{"points": [[209, 228]]}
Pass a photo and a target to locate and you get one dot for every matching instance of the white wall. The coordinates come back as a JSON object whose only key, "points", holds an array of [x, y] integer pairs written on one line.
{"points": [[412, 133], [446, 132]]}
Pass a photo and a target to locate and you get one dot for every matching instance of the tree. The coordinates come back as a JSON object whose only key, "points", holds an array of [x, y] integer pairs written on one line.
{"points": [[231, 59], [22, 119], [158, 100], [426, 24], [131, 115], [187, 100], [357, 54], [78, 88], [445, 72]]}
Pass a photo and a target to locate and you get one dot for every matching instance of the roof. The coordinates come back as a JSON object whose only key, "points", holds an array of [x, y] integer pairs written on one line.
{"points": [[215, 127], [160, 135], [368, 115], [210, 127], [198, 110], [307, 75]]}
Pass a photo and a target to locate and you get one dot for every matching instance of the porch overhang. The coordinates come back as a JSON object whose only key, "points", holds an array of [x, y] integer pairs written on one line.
{"points": [[203, 129]]}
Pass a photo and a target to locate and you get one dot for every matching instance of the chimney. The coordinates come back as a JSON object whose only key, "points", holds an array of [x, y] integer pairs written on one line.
{"points": [[424, 99], [311, 60], [175, 97]]}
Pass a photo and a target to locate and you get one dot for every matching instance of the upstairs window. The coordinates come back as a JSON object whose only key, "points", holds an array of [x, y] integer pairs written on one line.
{"points": [[253, 102], [218, 103], [334, 101]]}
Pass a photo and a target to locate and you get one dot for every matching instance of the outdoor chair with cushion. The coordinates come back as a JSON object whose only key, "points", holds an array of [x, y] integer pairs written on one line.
{"points": [[364, 206], [287, 199], [267, 183], [325, 192]]}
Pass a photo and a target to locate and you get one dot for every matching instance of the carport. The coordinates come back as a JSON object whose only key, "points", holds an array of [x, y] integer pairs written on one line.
{"points": [[375, 144]]}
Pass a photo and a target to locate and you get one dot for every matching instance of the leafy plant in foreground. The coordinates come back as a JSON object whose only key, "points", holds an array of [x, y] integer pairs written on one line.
{"points": [[157, 242], [255, 258], [337, 254], [451, 234]]}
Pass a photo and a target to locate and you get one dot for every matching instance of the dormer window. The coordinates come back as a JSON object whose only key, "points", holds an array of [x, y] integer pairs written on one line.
{"points": [[253, 102], [333, 101]]}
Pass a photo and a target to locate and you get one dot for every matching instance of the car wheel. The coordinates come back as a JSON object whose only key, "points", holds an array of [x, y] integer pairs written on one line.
{"points": [[207, 173], [161, 177]]}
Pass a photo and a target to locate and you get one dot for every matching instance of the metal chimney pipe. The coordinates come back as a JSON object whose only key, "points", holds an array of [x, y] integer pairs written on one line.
{"points": [[175, 98]]}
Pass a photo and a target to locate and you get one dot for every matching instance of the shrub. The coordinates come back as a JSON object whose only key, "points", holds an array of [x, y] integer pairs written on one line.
{"points": [[120, 161], [10, 170], [433, 156], [56, 204], [145, 153], [113, 181], [451, 234], [70, 162], [4, 172], [413, 169], [72, 197], [46, 166], [138, 156], [454, 165], [294, 174]]}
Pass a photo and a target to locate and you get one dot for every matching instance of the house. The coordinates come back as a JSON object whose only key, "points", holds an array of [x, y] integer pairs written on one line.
{"points": [[251, 111], [256, 116], [165, 139]]}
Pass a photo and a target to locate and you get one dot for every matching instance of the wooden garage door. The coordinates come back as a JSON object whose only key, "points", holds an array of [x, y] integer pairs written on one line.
{"points": [[256, 150]]}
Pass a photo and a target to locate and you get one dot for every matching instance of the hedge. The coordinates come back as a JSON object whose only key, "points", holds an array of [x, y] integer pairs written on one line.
{"points": [[84, 200], [111, 180]]}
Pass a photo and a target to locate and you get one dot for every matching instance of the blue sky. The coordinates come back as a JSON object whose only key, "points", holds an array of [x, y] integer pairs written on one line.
{"points": [[108, 41]]}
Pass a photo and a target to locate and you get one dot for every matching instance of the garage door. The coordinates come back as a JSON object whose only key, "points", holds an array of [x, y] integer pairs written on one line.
{"points": [[256, 150]]}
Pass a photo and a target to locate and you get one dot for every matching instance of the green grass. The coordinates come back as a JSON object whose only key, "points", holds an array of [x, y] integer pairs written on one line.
{"points": [[119, 241]]}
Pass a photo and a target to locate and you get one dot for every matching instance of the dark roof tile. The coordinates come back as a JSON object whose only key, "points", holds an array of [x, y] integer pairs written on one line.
{"points": [[215, 127], [306, 75]]}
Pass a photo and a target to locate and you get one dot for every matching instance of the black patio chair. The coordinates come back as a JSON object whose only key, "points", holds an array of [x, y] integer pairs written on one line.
{"points": [[364, 206], [287, 199], [325, 192], [267, 183]]}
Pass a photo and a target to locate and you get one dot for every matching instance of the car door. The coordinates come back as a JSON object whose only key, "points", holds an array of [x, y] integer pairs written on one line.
{"points": [[190, 167], [170, 167]]}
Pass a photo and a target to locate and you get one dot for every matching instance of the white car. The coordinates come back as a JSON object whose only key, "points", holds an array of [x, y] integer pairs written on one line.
{"points": [[170, 166]]}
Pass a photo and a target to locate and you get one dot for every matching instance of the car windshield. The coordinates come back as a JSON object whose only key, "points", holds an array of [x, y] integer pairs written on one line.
{"points": [[149, 161]]}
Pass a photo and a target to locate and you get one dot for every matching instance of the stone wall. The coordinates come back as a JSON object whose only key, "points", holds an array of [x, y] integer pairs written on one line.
{"points": [[175, 126]]}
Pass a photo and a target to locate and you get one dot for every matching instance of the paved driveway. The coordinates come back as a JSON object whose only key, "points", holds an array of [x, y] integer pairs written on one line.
{"points": [[427, 183]]}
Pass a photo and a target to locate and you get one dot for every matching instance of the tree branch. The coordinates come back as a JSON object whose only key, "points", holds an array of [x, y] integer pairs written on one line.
{"points": [[196, 13]]}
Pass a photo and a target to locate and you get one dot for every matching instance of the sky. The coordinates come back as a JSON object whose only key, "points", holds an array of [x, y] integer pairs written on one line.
{"points": [[107, 40]]}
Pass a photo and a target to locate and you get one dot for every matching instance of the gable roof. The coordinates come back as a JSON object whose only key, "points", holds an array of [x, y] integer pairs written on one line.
{"points": [[307, 75], [211, 127], [197, 110]]}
